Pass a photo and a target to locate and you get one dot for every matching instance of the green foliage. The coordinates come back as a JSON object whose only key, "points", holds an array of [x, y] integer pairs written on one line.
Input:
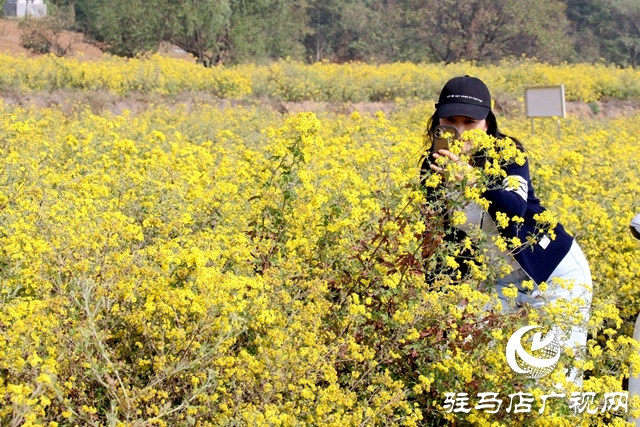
{"points": [[325, 21], [483, 30], [237, 31], [266, 29], [201, 28], [606, 29], [364, 33], [626, 16], [124, 27]]}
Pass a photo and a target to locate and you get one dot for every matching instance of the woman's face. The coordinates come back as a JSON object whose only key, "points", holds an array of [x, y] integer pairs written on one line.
{"points": [[463, 124]]}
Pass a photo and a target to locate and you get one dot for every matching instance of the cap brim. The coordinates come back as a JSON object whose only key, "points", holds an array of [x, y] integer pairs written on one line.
{"points": [[467, 110]]}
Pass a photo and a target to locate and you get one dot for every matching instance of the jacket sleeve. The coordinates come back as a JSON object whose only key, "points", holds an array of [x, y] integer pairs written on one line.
{"points": [[447, 232], [425, 171], [510, 200]]}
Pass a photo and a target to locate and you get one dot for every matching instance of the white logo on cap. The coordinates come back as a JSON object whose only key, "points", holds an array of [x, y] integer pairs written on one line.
{"points": [[465, 96]]}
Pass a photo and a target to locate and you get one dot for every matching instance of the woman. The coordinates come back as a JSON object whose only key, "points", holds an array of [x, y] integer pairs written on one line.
{"points": [[553, 257]]}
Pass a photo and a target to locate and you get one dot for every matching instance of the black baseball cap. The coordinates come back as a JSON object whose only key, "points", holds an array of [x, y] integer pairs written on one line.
{"points": [[464, 96]]}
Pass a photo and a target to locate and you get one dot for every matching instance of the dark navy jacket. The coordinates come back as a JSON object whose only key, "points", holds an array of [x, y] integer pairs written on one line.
{"points": [[538, 260]]}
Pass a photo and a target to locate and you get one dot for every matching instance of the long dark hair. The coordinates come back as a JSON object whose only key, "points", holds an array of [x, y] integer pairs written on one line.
{"points": [[492, 129]]}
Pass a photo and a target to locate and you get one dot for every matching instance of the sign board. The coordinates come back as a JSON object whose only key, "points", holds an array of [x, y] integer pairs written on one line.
{"points": [[544, 101]]}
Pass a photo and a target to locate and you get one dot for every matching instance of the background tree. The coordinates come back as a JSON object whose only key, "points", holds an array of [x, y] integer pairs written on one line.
{"points": [[201, 28], [266, 29], [486, 30], [325, 21], [62, 7], [588, 19], [233, 31], [124, 27], [625, 15], [606, 29], [347, 30], [371, 31]]}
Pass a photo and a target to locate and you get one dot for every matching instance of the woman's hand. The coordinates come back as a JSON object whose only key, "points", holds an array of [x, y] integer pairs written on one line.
{"points": [[462, 170]]}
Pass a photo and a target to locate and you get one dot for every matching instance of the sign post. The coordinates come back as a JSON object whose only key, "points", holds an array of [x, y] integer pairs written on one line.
{"points": [[544, 101]]}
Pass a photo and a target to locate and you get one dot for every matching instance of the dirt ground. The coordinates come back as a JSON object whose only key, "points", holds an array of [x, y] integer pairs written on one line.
{"points": [[10, 44], [10, 41], [596, 110]]}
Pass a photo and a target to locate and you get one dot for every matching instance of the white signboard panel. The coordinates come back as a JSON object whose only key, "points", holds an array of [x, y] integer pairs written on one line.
{"points": [[545, 101]]}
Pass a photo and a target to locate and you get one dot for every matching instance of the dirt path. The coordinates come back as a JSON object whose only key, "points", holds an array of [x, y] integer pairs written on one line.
{"points": [[594, 110]]}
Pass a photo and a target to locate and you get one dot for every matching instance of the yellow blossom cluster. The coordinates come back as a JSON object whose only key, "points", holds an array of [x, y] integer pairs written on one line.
{"points": [[294, 81], [155, 74], [211, 266]]}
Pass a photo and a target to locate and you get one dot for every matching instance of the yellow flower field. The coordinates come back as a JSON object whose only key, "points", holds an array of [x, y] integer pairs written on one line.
{"points": [[294, 81], [237, 267]]}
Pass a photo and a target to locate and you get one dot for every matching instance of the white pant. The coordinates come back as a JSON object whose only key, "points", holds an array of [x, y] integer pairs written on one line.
{"points": [[573, 270]]}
